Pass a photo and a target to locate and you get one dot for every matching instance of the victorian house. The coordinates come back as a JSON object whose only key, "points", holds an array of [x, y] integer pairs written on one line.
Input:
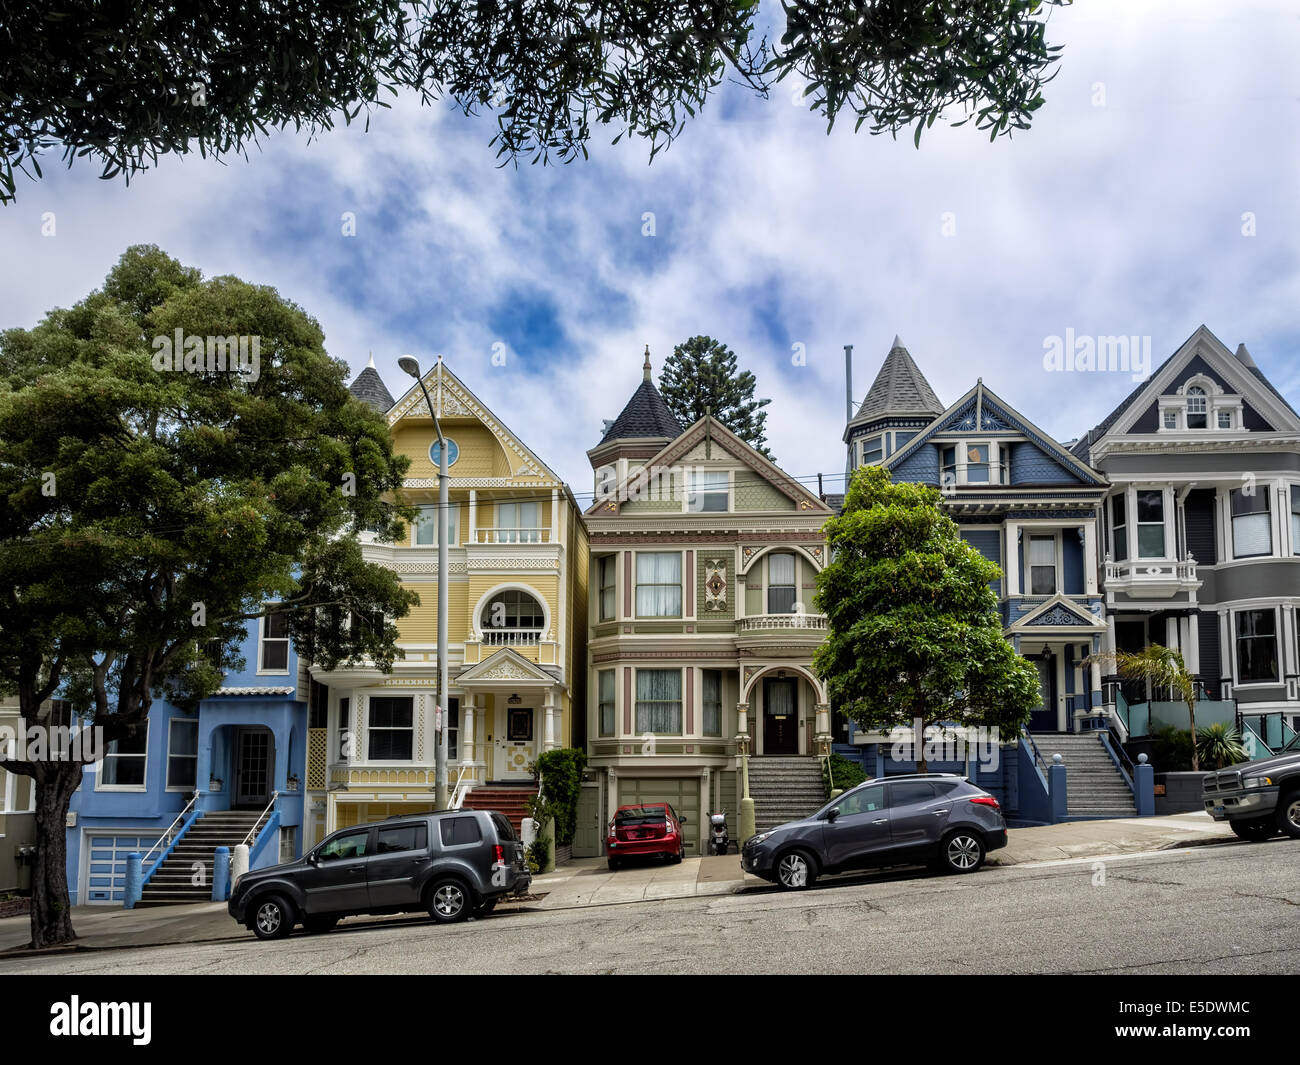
{"points": [[1201, 537], [704, 557], [516, 624]]}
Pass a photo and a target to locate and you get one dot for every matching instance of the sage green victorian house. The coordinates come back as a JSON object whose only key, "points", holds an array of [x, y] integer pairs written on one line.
{"points": [[704, 557]]}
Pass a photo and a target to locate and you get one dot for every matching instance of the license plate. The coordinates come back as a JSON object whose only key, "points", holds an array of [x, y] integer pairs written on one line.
{"points": [[1219, 811]]}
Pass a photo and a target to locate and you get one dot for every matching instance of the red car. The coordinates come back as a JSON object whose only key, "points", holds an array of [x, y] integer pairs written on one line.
{"points": [[644, 831]]}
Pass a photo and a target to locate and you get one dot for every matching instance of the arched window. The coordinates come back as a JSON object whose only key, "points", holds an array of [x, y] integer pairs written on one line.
{"points": [[1196, 408], [512, 617]]}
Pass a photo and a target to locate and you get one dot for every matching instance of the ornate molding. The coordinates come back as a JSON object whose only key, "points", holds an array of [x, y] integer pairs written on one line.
{"points": [[715, 584]]}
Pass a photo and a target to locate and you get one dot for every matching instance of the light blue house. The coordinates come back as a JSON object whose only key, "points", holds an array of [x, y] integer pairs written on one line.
{"points": [[229, 771]]}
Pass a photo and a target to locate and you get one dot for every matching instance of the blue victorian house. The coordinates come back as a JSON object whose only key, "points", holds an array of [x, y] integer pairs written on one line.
{"points": [[227, 771]]}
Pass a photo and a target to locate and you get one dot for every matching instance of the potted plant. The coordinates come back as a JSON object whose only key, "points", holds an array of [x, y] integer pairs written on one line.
{"points": [[214, 784], [292, 783]]}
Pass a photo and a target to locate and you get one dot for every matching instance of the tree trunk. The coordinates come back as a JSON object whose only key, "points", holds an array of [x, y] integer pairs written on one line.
{"points": [[51, 906]]}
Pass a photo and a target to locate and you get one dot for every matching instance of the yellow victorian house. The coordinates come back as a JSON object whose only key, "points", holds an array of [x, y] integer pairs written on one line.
{"points": [[517, 625]]}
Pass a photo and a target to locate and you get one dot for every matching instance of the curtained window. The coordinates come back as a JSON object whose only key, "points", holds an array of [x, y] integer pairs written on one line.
{"points": [[1151, 524], [709, 491], [1042, 565], [1256, 646], [780, 583], [711, 690], [605, 681], [658, 584], [519, 523], [659, 701], [1252, 524]]}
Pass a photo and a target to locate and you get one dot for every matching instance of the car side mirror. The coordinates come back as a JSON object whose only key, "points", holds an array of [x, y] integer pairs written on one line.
{"points": [[313, 858], [683, 820], [832, 813]]}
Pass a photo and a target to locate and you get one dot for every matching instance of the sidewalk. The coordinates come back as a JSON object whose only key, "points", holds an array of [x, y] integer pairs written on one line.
{"points": [[588, 882]]}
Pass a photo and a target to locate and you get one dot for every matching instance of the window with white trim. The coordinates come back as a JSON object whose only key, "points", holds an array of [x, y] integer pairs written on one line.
{"points": [[1151, 523], [125, 761], [659, 701], [781, 591], [708, 492], [273, 650], [1196, 408], [424, 532], [1119, 528], [873, 450], [605, 701], [391, 731], [711, 700], [1224, 419], [1252, 522], [182, 753], [658, 584], [1295, 524], [606, 576], [1042, 565], [519, 523], [1171, 419], [1257, 646]]}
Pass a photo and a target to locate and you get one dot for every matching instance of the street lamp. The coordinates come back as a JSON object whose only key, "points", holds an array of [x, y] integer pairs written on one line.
{"points": [[409, 364]]}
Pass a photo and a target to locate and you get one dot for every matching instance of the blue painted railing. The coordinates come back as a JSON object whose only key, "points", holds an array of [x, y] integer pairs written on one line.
{"points": [[270, 831], [163, 854], [1035, 795]]}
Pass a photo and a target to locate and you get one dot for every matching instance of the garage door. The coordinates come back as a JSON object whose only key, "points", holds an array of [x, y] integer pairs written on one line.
{"points": [[104, 864], [682, 793]]}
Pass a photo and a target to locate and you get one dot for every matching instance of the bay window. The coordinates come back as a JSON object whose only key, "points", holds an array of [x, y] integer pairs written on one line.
{"points": [[711, 691], [1295, 519], [1042, 565], [977, 463], [605, 578], [391, 731], [1256, 646], [658, 584], [659, 701], [780, 583], [1119, 528], [605, 701], [872, 450], [1151, 524], [1252, 523]]}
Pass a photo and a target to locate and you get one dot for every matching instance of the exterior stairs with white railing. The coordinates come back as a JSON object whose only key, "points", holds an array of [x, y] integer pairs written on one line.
{"points": [[175, 879], [785, 788], [1094, 785]]}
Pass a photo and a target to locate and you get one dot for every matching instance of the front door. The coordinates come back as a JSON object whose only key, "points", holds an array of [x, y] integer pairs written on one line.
{"points": [[780, 716], [1043, 717], [252, 767], [516, 742]]}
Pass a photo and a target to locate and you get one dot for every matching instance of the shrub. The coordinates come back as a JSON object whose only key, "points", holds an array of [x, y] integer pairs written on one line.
{"points": [[839, 772], [560, 773], [537, 854], [1219, 745], [1172, 751]]}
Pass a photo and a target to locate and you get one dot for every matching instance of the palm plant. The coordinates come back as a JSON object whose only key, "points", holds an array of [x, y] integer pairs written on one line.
{"points": [[1219, 745], [1163, 667]]}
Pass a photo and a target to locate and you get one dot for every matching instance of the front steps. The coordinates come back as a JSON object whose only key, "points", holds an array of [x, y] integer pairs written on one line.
{"points": [[512, 801], [175, 880], [1094, 786], [785, 788]]}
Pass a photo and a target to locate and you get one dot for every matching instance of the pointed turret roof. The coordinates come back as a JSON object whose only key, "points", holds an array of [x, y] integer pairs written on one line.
{"points": [[369, 387], [646, 415], [900, 388]]}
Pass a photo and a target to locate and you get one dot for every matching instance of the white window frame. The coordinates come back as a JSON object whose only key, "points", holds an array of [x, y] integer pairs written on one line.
{"points": [[516, 533], [1058, 568], [879, 440], [636, 587], [453, 525], [1135, 526], [1263, 490], [168, 771], [99, 768], [1279, 640], [371, 729], [681, 699], [601, 561], [263, 639], [689, 490], [612, 703]]}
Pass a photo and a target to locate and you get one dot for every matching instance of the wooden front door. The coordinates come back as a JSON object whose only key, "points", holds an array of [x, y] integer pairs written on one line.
{"points": [[780, 716], [253, 763]]}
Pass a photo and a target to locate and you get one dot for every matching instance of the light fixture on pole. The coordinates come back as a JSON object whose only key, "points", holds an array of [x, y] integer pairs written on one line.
{"points": [[410, 365]]}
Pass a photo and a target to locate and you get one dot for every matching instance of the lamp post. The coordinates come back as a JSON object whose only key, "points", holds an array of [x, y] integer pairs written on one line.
{"points": [[409, 364]]}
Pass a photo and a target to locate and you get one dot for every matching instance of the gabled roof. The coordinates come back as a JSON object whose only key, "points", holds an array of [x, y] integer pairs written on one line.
{"points": [[899, 388], [1185, 351], [646, 416], [712, 429], [369, 387], [504, 668], [991, 408]]}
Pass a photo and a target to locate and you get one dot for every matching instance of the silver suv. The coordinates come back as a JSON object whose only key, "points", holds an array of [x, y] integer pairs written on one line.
{"points": [[938, 819]]}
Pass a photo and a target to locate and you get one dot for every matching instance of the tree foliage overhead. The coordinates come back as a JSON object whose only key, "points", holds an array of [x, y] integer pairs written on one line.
{"points": [[914, 630], [124, 84], [702, 377], [148, 511]]}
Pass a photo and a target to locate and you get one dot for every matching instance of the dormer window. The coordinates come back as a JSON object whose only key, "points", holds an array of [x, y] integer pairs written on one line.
{"points": [[977, 463], [1224, 419], [1196, 408], [872, 450], [1171, 419]]}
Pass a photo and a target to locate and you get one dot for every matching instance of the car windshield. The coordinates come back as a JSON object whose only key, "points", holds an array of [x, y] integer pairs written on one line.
{"points": [[637, 815], [1293, 746]]}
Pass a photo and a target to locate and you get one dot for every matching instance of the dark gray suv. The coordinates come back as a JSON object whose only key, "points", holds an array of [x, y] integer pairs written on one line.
{"points": [[937, 819], [452, 863]]}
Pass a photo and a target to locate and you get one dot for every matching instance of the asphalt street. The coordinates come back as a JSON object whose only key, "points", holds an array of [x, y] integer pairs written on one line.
{"points": [[1223, 909]]}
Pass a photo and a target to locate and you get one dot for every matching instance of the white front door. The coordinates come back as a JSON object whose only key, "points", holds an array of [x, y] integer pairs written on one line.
{"points": [[516, 740]]}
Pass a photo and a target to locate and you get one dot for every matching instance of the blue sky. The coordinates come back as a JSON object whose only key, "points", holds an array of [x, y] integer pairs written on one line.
{"points": [[1120, 212]]}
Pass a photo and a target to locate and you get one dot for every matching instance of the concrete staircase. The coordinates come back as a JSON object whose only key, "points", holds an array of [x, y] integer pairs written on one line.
{"points": [[785, 788], [509, 800], [1094, 785], [174, 881]]}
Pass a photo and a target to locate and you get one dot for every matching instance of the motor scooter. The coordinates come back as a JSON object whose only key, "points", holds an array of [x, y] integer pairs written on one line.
{"points": [[719, 839]]}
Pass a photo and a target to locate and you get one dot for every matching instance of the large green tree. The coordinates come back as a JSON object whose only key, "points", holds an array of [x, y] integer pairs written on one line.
{"points": [[702, 377], [149, 509], [914, 630], [124, 84]]}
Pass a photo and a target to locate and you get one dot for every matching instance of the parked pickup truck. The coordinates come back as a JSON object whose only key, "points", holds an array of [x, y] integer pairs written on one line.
{"points": [[1260, 798]]}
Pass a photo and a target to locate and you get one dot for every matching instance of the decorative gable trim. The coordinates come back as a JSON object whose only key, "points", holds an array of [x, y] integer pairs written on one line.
{"points": [[505, 666], [1057, 613]]}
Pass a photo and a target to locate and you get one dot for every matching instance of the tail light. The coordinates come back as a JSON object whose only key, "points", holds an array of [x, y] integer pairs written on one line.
{"points": [[499, 854], [985, 800]]}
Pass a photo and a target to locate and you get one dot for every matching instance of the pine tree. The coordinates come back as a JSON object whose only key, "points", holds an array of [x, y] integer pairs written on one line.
{"points": [[701, 377]]}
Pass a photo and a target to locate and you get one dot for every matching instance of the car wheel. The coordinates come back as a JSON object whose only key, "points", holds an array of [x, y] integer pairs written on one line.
{"points": [[795, 871], [613, 864], [449, 901], [484, 908], [677, 858], [315, 926], [962, 852], [1255, 829], [1288, 814], [272, 918]]}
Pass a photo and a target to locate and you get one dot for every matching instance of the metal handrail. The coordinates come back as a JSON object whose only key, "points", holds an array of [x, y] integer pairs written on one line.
{"points": [[252, 833], [1111, 739], [165, 839], [459, 792], [1038, 756]]}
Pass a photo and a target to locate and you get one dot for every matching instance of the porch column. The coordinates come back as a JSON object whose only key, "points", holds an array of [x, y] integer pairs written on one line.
{"points": [[548, 733], [1192, 654], [611, 798], [1090, 558], [1011, 558], [555, 515], [823, 727], [742, 721], [1171, 634], [1226, 654], [467, 729], [473, 517]]}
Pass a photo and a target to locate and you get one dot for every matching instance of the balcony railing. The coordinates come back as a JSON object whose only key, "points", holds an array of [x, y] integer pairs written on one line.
{"points": [[772, 622], [512, 536], [511, 637], [1154, 571]]}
